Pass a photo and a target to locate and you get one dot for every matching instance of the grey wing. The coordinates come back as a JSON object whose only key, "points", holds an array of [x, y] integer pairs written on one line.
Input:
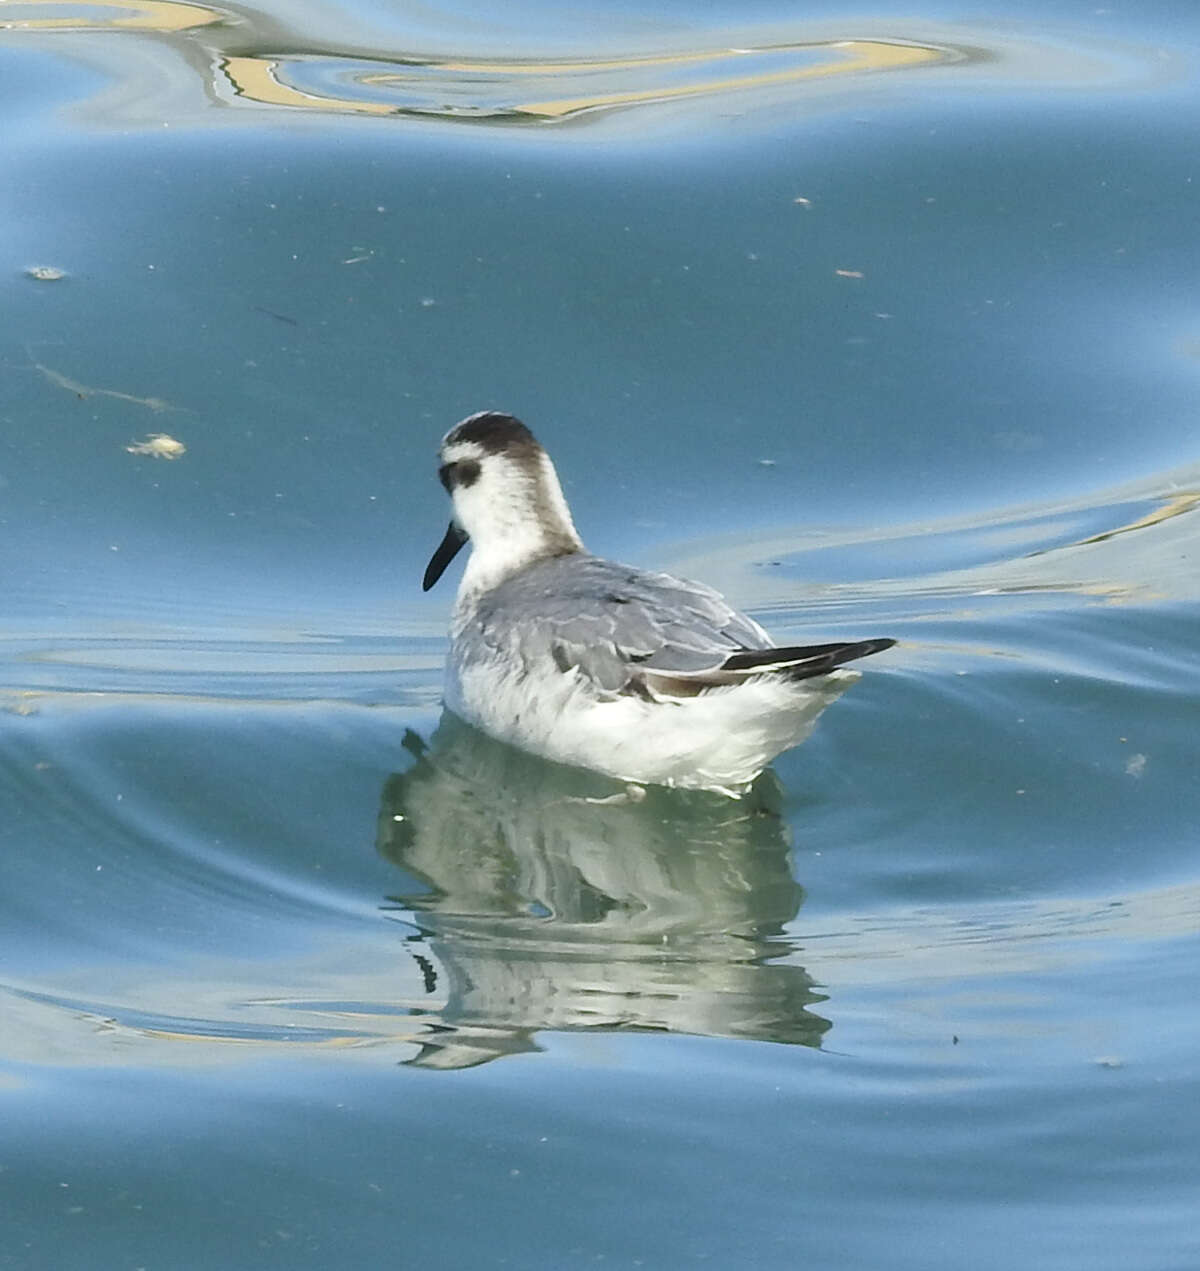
{"points": [[619, 626]]}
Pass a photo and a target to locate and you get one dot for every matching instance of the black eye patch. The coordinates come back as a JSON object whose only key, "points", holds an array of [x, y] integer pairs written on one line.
{"points": [[464, 473]]}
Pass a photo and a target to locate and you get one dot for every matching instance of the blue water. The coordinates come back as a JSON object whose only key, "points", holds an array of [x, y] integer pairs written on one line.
{"points": [[881, 321]]}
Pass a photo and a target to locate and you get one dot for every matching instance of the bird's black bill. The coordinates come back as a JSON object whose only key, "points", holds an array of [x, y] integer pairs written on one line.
{"points": [[447, 550]]}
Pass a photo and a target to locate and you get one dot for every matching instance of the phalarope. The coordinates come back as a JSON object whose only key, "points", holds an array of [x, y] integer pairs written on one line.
{"points": [[642, 676]]}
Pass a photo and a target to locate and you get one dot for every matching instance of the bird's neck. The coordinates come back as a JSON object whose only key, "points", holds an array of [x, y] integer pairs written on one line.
{"points": [[496, 560], [532, 524]]}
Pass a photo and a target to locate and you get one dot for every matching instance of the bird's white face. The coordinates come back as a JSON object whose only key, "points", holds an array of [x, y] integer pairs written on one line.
{"points": [[507, 502], [487, 489]]}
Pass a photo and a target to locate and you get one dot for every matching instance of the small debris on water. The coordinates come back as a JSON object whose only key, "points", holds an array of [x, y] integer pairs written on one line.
{"points": [[45, 273], [84, 391], [279, 317], [158, 445]]}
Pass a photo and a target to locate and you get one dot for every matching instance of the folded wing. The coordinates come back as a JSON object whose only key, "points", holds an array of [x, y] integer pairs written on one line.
{"points": [[633, 632]]}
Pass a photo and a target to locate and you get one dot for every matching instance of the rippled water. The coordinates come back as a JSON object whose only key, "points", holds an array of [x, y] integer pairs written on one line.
{"points": [[883, 322]]}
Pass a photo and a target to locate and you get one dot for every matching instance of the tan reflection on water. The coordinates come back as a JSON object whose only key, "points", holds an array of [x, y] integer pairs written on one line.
{"points": [[855, 56], [99, 15], [400, 82], [265, 79], [258, 79], [1175, 505], [1143, 558], [349, 61]]}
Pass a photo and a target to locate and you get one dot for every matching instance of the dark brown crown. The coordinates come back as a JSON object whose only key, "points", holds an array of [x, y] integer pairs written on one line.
{"points": [[494, 432]]}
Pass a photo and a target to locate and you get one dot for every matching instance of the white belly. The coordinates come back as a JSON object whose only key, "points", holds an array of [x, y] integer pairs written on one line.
{"points": [[720, 739]]}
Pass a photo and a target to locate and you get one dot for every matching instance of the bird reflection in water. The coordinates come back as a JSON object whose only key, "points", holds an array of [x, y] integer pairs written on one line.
{"points": [[553, 898]]}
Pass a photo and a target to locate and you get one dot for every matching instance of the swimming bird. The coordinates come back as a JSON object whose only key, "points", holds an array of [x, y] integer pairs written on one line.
{"points": [[647, 678]]}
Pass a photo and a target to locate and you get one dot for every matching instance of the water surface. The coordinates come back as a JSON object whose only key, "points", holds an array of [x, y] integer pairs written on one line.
{"points": [[880, 321]]}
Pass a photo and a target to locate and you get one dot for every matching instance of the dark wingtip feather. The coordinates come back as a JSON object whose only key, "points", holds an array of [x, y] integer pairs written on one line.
{"points": [[801, 662]]}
